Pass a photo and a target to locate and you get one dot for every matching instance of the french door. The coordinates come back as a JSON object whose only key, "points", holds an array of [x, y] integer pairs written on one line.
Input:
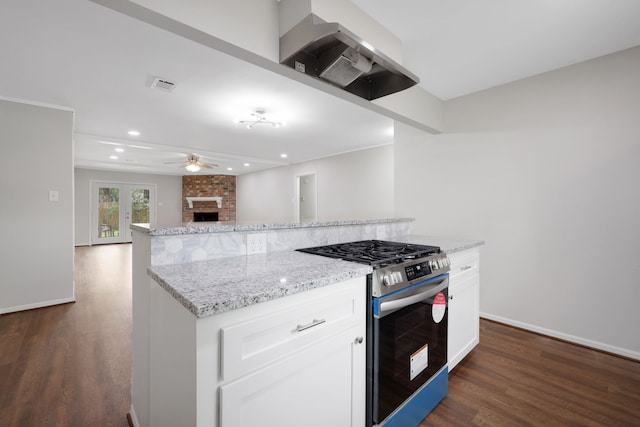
{"points": [[115, 206]]}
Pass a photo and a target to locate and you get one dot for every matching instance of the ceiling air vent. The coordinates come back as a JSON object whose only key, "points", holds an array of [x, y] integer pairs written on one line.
{"points": [[163, 84]]}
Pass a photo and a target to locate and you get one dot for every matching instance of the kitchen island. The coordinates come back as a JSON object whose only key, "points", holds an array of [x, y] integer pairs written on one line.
{"points": [[238, 339]]}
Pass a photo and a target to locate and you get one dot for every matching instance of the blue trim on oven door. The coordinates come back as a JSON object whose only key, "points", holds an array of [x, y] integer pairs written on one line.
{"points": [[418, 406], [375, 301]]}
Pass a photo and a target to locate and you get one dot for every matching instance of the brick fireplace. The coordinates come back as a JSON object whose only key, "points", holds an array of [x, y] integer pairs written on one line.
{"points": [[209, 186]]}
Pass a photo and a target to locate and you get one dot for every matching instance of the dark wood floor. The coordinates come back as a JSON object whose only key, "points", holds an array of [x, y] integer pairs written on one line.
{"points": [[69, 365], [518, 378]]}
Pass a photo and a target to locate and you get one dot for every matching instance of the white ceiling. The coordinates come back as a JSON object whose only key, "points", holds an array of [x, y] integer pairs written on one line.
{"points": [[458, 47], [78, 54]]}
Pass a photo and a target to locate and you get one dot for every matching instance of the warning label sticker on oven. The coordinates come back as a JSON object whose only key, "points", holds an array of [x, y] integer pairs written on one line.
{"points": [[419, 361], [439, 307]]}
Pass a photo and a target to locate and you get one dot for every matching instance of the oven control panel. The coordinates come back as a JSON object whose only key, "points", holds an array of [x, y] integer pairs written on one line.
{"points": [[398, 276], [426, 267], [417, 270]]}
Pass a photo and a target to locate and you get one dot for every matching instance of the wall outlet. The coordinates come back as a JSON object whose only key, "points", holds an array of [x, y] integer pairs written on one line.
{"points": [[256, 243]]}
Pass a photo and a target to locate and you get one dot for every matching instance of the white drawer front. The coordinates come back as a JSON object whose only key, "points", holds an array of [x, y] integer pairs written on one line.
{"points": [[464, 261], [249, 345]]}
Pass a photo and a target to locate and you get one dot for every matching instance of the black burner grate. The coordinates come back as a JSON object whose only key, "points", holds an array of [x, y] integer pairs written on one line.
{"points": [[377, 253]]}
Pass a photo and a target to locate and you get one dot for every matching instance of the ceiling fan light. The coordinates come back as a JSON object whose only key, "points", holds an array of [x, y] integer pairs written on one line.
{"points": [[192, 168]]}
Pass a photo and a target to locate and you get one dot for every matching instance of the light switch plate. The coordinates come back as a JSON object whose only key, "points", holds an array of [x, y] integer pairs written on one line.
{"points": [[54, 195]]}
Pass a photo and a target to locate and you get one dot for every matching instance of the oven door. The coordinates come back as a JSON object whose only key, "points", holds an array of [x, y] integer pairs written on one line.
{"points": [[409, 342]]}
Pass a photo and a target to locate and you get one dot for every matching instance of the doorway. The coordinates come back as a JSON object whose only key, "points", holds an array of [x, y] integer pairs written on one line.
{"points": [[307, 206], [115, 206]]}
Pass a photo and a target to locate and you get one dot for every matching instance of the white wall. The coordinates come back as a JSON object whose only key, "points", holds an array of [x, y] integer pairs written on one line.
{"points": [[352, 185], [168, 197], [36, 254], [547, 171]]}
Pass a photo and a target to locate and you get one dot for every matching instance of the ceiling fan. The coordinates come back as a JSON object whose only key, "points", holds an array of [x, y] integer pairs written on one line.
{"points": [[193, 164]]}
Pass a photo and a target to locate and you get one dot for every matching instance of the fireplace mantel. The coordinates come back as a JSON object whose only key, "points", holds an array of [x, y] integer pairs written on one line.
{"points": [[218, 200]]}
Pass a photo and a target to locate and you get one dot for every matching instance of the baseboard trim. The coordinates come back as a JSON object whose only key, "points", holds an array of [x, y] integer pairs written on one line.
{"points": [[624, 352], [132, 418], [37, 305]]}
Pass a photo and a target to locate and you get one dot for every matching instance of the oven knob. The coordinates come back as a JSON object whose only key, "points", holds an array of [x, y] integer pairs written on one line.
{"points": [[392, 278], [434, 264], [396, 277], [385, 280]]}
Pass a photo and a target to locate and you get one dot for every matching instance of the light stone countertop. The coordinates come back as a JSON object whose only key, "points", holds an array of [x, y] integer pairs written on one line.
{"points": [[210, 287], [226, 227], [446, 244]]}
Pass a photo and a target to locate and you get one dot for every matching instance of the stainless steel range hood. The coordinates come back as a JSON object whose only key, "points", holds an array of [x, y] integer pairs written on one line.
{"points": [[328, 51]]}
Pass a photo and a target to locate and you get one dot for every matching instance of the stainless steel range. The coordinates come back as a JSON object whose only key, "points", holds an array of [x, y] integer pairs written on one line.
{"points": [[406, 327]]}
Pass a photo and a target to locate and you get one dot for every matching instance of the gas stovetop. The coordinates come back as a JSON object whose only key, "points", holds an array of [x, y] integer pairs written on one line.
{"points": [[376, 253]]}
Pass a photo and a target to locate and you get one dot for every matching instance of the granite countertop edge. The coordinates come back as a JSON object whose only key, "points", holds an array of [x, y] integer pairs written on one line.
{"points": [[210, 287], [200, 228]]}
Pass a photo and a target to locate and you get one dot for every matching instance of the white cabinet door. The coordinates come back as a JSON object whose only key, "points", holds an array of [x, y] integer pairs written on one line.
{"points": [[464, 317], [322, 385], [464, 305]]}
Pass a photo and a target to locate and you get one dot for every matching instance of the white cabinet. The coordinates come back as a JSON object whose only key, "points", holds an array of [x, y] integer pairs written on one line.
{"points": [[464, 304], [319, 386], [304, 366], [291, 361]]}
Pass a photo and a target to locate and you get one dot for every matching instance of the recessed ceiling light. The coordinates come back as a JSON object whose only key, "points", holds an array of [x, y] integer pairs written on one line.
{"points": [[229, 169], [247, 164], [120, 150], [283, 155], [134, 133], [113, 157]]}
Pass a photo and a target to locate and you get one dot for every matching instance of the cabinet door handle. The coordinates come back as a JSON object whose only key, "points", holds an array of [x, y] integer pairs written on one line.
{"points": [[451, 297], [315, 322], [359, 340], [465, 267]]}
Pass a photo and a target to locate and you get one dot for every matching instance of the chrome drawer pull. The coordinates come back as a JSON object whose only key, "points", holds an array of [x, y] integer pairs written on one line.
{"points": [[465, 268], [315, 322]]}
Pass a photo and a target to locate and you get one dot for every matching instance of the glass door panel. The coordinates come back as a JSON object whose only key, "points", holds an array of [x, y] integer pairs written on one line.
{"points": [[140, 199], [139, 207], [109, 216]]}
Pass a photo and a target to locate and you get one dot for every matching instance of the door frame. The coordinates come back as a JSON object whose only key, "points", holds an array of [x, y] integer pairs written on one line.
{"points": [[125, 216], [297, 194]]}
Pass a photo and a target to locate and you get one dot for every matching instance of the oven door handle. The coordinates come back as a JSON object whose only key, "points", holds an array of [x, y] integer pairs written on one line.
{"points": [[394, 305]]}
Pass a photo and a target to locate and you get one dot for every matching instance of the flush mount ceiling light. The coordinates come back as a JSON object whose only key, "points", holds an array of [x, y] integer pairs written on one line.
{"points": [[259, 119]]}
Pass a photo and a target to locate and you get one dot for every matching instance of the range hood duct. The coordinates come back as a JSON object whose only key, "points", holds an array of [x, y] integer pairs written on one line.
{"points": [[332, 53]]}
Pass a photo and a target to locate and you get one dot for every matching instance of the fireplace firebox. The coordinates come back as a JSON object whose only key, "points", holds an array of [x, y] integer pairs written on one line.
{"points": [[205, 216]]}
